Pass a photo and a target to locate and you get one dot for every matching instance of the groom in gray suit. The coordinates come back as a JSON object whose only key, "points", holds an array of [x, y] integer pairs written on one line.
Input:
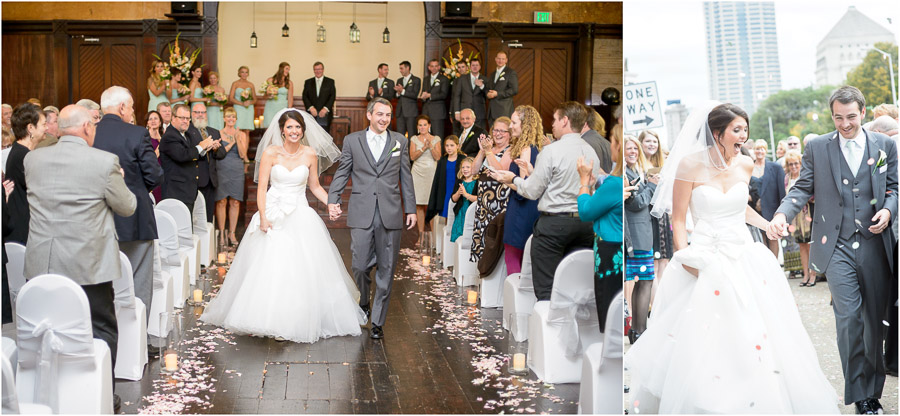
{"points": [[856, 172], [376, 160]]}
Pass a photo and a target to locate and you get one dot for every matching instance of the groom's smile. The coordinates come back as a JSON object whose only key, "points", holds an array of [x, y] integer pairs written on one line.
{"points": [[846, 118]]}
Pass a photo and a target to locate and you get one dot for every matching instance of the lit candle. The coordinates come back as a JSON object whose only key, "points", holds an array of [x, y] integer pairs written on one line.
{"points": [[256, 122], [222, 257], [171, 361], [472, 297], [198, 296], [426, 260], [519, 361], [221, 271], [262, 119]]}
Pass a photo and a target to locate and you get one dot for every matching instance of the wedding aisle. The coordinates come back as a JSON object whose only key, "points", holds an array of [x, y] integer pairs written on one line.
{"points": [[436, 357], [818, 319]]}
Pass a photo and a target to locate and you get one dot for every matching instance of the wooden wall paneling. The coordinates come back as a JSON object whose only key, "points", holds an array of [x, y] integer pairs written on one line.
{"points": [[584, 64], [554, 82], [28, 69], [523, 62], [89, 75], [62, 44]]}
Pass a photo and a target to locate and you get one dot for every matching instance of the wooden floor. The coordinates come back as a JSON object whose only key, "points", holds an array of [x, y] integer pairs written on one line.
{"points": [[436, 357]]}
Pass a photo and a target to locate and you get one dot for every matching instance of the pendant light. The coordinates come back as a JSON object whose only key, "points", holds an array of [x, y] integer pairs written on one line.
{"points": [[354, 30], [386, 35], [320, 32], [285, 30], [253, 35]]}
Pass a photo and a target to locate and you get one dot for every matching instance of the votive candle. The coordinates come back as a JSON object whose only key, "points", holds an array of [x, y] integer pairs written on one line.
{"points": [[519, 361], [171, 361], [426, 260], [198, 296], [472, 297]]}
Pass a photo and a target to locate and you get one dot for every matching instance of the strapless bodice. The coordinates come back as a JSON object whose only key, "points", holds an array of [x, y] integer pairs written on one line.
{"points": [[287, 191], [720, 225]]}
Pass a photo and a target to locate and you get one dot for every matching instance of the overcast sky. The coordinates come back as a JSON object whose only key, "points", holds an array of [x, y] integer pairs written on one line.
{"points": [[664, 41]]}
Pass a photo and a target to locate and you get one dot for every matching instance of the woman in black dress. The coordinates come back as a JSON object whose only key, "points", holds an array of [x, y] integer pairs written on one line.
{"points": [[28, 125]]}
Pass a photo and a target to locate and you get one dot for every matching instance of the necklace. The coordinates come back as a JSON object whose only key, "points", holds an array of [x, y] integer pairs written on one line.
{"points": [[291, 154]]}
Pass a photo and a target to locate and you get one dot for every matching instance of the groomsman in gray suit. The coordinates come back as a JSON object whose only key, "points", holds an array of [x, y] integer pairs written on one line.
{"points": [[462, 68], [468, 92], [855, 170], [434, 95], [502, 86], [382, 86], [74, 191], [376, 160], [407, 89]]}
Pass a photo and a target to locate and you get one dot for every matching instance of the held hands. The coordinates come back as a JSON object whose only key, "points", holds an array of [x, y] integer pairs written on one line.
{"points": [[398, 88], [334, 211], [479, 82], [410, 221], [491, 94], [881, 219], [425, 95], [777, 227]]}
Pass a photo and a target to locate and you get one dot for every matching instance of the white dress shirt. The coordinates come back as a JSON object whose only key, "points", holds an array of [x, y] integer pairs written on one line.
{"points": [[319, 85], [376, 142], [555, 181], [472, 77], [855, 159], [405, 83], [498, 73]]}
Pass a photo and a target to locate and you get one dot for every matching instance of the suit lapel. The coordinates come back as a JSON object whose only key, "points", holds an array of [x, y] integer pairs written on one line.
{"points": [[386, 153], [834, 158], [873, 148], [364, 144]]}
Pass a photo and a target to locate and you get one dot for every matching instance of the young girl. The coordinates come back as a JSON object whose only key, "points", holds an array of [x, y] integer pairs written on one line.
{"points": [[466, 191]]}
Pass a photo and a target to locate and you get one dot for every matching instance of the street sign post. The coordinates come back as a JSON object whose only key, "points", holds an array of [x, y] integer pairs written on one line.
{"points": [[642, 108]]}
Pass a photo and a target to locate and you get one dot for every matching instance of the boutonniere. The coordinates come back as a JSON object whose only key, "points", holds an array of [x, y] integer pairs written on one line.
{"points": [[437, 81], [470, 134], [882, 161], [396, 147], [384, 84]]}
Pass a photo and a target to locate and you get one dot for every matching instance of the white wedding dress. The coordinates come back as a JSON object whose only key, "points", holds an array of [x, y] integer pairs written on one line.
{"points": [[730, 340], [289, 282]]}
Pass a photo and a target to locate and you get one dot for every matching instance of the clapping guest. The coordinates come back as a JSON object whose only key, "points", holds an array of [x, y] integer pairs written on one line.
{"points": [[7, 116], [407, 90], [283, 89], [465, 195], [28, 125], [243, 97], [165, 111], [424, 151], [179, 157], [444, 184], [208, 179], [604, 209], [591, 134], [527, 131], [131, 144], [492, 195], [780, 149], [74, 233], [801, 227], [153, 122], [501, 87], [92, 107], [156, 86], [381, 86], [639, 263], [771, 188], [230, 191], [318, 96], [214, 108]]}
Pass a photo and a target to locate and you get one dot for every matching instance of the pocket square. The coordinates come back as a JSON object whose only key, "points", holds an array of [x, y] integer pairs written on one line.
{"points": [[395, 154], [882, 169]]}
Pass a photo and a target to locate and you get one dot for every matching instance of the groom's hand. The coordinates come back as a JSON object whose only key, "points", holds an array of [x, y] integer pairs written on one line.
{"points": [[334, 211], [881, 219], [410, 221], [776, 227]]}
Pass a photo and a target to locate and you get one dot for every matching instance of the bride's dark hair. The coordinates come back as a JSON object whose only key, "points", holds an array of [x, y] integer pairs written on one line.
{"points": [[721, 116], [292, 115]]}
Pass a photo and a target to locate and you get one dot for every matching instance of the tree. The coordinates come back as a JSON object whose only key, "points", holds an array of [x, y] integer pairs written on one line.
{"points": [[796, 112], [872, 76]]}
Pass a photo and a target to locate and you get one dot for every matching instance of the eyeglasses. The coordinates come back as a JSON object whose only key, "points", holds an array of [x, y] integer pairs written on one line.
{"points": [[501, 131], [183, 118]]}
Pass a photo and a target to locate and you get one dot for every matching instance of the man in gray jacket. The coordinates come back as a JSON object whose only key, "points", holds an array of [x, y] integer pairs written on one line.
{"points": [[74, 191]]}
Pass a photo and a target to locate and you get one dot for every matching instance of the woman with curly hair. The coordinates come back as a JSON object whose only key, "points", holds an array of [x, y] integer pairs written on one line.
{"points": [[527, 132]]}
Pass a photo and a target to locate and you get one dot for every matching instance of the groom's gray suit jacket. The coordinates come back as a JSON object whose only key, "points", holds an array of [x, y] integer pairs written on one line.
{"points": [[375, 181], [821, 176]]}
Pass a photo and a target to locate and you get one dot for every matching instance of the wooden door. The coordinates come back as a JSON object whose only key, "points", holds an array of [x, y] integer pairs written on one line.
{"points": [[546, 76], [101, 62]]}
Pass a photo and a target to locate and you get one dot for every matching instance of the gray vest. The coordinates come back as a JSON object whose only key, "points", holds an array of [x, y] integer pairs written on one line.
{"points": [[856, 193]]}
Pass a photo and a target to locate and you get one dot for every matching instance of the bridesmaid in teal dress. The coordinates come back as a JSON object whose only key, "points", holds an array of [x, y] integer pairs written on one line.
{"points": [[244, 109], [285, 96], [196, 87], [214, 108], [156, 86], [176, 96]]}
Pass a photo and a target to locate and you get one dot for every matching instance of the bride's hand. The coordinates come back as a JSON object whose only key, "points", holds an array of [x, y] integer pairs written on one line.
{"points": [[691, 270], [264, 225]]}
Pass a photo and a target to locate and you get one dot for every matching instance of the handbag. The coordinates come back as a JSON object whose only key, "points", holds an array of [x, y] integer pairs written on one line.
{"points": [[493, 246]]}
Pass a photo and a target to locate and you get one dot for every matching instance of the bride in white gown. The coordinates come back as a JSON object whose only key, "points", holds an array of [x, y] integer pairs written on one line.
{"points": [[725, 335], [288, 279]]}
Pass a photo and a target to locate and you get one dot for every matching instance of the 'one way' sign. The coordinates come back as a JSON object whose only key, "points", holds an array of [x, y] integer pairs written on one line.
{"points": [[642, 108]]}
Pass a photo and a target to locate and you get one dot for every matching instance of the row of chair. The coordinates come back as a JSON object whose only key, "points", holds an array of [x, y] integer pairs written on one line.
{"points": [[565, 344]]}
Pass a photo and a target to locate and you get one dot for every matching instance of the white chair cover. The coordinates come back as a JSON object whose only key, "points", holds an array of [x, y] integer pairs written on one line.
{"points": [[9, 351], [448, 248], [52, 340], [466, 272], [131, 317], [572, 302], [10, 401], [187, 242], [518, 292], [202, 229], [492, 285], [163, 295], [15, 270], [174, 260], [601, 375]]}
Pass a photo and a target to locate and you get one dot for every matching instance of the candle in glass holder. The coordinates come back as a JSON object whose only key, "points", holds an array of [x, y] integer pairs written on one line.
{"points": [[519, 361], [198, 295], [472, 297], [262, 120], [221, 271], [256, 122], [222, 257], [426, 260], [171, 361]]}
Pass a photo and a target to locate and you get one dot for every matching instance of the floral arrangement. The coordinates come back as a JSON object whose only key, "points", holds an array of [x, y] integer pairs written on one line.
{"points": [[220, 98], [449, 69], [166, 73], [245, 95], [270, 90], [208, 91], [183, 90], [183, 62]]}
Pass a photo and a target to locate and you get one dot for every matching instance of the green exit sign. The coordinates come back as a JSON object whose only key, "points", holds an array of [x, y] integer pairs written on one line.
{"points": [[545, 18]]}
